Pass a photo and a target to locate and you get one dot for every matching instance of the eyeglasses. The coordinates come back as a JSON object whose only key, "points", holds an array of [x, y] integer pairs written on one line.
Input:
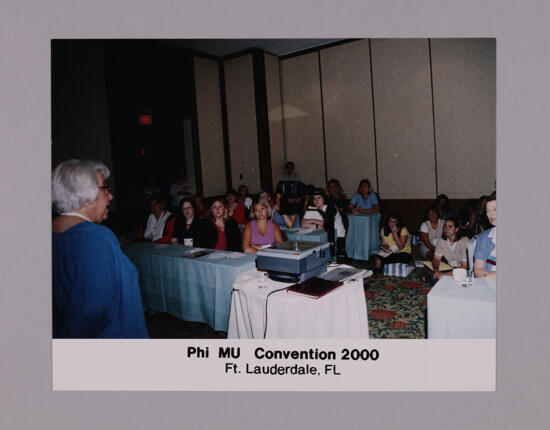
{"points": [[106, 188]]}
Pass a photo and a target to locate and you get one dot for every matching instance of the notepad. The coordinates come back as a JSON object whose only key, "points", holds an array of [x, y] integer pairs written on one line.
{"points": [[443, 267]]}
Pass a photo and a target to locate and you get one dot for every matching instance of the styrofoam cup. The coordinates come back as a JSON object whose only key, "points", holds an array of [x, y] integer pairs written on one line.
{"points": [[459, 274]]}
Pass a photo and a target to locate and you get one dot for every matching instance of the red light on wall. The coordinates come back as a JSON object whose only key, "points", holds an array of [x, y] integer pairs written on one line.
{"points": [[145, 119]]}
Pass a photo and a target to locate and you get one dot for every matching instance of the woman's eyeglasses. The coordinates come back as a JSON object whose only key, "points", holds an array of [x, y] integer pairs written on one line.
{"points": [[106, 188]]}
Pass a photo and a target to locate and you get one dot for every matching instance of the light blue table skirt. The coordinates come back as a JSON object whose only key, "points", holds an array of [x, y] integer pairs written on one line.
{"points": [[320, 236], [191, 289], [363, 236]]}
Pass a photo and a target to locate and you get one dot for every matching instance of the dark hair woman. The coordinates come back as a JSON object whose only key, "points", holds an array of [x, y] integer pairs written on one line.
{"points": [[365, 199], [430, 232], [325, 217], [282, 214], [235, 209], [442, 203], [451, 247], [200, 208], [159, 226], [228, 232], [191, 230], [395, 240], [336, 194]]}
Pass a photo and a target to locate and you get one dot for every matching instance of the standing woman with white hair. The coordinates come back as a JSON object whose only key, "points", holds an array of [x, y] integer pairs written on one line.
{"points": [[95, 286]]}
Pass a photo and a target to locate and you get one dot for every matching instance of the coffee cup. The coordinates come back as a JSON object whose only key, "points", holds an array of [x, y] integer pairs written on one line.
{"points": [[459, 274], [188, 242]]}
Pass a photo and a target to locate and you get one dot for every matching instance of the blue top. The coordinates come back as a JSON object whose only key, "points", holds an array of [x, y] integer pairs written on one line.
{"points": [[95, 287], [484, 247], [279, 220], [362, 203]]}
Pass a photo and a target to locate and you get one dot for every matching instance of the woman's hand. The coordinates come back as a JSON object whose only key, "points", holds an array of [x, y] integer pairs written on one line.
{"points": [[437, 274]]}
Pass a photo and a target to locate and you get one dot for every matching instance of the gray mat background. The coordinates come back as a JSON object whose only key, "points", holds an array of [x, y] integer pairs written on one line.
{"points": [[523, 346]]}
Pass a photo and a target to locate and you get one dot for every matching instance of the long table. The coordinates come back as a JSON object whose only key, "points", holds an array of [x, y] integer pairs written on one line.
{"points": [[363, 237], [456, 312], [341, 314], [191, 289]]}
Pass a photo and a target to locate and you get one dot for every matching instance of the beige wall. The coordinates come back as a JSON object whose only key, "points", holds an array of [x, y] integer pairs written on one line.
{"points": [[302, 119], [341, 116], [275, 117], [464, 77], [209, 118], [241, 122], [347, 102], [404, 121]]}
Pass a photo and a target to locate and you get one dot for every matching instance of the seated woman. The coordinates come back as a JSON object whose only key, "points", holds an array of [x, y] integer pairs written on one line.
{"points": [[442, 203], [282, 212], [191, 230], [265, 195], [242, 194], [485, 253], [452, 247], [260, 231], [159, 226], [430, 232], [478, 219], [235, 209], [364, 200], [95, 286], [227, 231], [395, 239], [336, 195], [200, 208], [325, 217]]}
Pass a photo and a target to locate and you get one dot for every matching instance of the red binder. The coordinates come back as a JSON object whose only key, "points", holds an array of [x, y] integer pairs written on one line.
{"points": [[314, 287]]}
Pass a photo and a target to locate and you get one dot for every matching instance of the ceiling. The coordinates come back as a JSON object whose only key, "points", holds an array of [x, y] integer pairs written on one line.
{"points": [[226, 47]]}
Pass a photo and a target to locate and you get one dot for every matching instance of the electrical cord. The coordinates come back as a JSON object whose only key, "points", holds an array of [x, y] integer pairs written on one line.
{"points": [[267, 300]]}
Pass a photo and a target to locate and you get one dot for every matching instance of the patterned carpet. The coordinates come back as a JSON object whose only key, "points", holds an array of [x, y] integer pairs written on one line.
{"points": [[396, 307], [396, 310]]}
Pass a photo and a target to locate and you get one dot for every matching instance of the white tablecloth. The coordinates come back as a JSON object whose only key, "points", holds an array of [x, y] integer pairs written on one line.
{"points": [[341, 314], [455, 312]]}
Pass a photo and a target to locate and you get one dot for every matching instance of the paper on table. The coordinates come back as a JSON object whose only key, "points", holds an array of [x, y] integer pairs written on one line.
{"points": [[234, 255], [216, 255], [443, 267]]}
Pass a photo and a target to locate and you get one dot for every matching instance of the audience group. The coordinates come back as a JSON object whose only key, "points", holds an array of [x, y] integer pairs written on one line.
{"points": [[262, 221], [86, 253], [219, 225]]}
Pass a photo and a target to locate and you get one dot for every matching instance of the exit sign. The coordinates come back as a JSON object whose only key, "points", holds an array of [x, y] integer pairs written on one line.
{"points": [[145, 119]]}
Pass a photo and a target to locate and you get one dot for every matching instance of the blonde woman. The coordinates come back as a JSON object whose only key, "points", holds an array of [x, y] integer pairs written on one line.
{"points": [[260, 231]]}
